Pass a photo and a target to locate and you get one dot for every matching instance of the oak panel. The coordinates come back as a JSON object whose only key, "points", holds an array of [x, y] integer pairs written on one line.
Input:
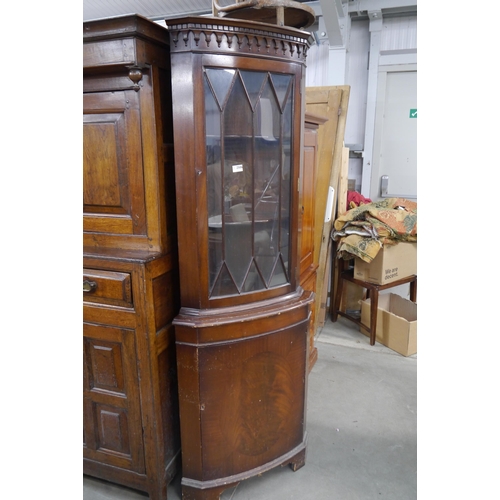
{"points": [[108, 52], [111, 404], [113, 183]]}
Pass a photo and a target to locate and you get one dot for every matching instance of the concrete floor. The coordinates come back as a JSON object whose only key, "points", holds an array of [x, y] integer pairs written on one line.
{"points": [[361, 425]]}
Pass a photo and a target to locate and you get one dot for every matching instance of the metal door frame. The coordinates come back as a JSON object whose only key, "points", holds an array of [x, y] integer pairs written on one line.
{"points": [[379, 120]]}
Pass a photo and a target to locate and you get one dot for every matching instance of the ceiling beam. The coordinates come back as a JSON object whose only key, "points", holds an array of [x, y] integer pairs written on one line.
{"points": [[374, 5], [333, 14]]}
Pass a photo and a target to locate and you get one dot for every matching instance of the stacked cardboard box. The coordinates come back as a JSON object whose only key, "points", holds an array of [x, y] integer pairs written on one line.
{"points": [[392, 263], [396, 322]]}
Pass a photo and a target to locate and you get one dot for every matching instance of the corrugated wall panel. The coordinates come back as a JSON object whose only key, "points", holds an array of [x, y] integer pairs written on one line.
{"points": [[317, 65], [152, 9], [399, 33]]}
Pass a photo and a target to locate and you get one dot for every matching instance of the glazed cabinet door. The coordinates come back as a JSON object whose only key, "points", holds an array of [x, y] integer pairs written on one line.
{"points": [[113, 184], [249, 163], [112, 420], [245, 184]]}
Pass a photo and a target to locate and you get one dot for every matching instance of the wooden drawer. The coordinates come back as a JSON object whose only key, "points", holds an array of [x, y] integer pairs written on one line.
{"points": [[107, 287]]}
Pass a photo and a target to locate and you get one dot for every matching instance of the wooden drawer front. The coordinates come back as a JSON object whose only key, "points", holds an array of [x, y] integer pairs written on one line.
{"points": [[105, 53], [107, 287], [112, 421]]}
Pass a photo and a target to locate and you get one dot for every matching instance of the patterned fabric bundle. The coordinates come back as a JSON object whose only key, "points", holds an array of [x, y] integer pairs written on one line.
{"points": [[364, 230]]}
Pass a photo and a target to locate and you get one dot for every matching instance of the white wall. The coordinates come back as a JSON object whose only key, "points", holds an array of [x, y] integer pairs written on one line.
{"points": [[389, 41]]}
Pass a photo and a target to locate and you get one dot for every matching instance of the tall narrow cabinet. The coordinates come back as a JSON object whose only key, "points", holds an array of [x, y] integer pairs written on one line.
{"points": [[307, 227], [130, 276], [242, 330]]}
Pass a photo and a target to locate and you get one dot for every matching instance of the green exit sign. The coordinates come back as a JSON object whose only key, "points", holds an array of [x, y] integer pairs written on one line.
{"points": [[413, 113]]}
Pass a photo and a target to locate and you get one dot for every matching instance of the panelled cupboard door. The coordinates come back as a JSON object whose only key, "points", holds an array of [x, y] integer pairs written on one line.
{"points": [[113, 183], [332, 103], [323, 101], [307, 198], [112, 422]]}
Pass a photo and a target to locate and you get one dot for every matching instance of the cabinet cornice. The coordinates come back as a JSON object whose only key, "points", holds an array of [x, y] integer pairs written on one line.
{"points": [[241, 37]]}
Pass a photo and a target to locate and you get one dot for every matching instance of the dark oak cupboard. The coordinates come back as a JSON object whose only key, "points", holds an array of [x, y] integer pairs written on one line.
{"points": [[196, 323], [130, 277]]}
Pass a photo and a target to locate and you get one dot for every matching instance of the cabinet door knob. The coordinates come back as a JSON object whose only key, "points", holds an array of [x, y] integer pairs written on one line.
{"points": [[89, 286]]}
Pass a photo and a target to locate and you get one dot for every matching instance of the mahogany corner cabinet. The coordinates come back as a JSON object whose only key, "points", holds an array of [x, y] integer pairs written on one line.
{"points": [[242, 330]]}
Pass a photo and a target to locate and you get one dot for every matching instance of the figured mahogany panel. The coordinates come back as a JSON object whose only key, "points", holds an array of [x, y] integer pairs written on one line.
{"points": [[253, 403], [242, 383], [112, 426]]}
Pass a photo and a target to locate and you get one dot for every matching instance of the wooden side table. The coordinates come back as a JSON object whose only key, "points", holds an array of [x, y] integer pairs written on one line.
{"points": [[372, 292]]}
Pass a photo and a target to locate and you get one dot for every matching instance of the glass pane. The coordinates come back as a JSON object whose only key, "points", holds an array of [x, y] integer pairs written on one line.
{"points": [[267, 182], [215, 202], [286, 184], [225, 284], [238, 182], [253, 81], [268, 115], [248, 179], [280, 276], [254, 280], [281, 84], [221, 80]]}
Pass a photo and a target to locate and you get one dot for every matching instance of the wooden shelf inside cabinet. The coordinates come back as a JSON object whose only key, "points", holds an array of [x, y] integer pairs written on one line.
{"points": [[242, 331]]}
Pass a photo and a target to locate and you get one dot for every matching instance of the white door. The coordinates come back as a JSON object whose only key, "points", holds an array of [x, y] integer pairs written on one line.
{"points": [[395, 140]]}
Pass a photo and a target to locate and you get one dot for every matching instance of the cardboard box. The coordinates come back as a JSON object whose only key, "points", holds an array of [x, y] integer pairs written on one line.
{"points": [[396, 322], [392, 263]]}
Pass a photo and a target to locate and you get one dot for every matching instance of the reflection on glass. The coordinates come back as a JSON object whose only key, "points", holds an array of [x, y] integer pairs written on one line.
{"points": [[253, 82], [248, 150], [286, 184]]}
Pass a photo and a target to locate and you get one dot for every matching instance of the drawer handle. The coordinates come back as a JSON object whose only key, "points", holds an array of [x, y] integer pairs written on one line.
{"points": [[89, 286]]}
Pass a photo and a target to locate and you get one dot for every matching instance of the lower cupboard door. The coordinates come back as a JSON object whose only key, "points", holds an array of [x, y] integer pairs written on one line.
{"points": [[112, 430]]}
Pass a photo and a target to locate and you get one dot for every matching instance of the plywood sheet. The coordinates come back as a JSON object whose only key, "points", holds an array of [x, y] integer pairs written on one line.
{"points": [[342, 190]]}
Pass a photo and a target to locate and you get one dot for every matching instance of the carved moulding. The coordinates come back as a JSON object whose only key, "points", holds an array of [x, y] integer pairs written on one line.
{"points": [[191, 35]]}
